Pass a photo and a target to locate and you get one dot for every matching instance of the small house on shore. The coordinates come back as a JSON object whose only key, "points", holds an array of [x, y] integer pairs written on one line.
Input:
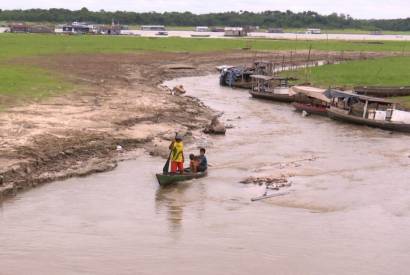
{"points": [[275, 30], [217, 29], [40, 29], [108, 29], [4, 29], [235, 32], [18, 27], [202, 29], [76, 28], [313, 31]]}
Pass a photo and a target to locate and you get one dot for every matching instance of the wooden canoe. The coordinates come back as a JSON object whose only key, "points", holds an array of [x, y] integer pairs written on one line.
{"points": [[167, 179], [272, 96], [339, 114], [310, 109]]}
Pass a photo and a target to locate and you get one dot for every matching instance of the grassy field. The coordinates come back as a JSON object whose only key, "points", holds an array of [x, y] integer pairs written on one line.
{"points": [[25, 81], [392, 71], [16, 45]]}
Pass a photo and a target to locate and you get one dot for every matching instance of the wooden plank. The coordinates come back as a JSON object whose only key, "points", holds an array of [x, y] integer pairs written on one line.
{"points": [[269, 196]]}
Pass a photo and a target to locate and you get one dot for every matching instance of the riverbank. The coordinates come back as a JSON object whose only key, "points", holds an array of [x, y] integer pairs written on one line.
{"points": [[118, 105]]}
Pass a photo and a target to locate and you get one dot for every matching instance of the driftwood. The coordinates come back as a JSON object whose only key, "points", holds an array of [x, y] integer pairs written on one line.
{"points": [[269, 196]]}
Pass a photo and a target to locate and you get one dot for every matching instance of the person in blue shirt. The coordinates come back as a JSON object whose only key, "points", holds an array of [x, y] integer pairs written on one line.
{"points": [[203, 162]]}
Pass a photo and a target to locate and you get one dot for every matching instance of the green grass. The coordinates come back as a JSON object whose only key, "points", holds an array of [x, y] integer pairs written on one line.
{"points": [[391, 71], [31, 82], [21, 81], [16, 45], [404, 100]]}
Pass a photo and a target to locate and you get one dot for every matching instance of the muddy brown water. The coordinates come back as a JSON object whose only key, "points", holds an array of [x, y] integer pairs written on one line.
{"points": [[348, 210]]}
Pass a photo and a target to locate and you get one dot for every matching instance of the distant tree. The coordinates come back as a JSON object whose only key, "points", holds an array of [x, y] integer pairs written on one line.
{"points": [[287, 19]]}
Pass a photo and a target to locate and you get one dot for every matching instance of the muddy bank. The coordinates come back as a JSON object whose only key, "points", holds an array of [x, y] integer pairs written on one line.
{"points": [[117, 103]]}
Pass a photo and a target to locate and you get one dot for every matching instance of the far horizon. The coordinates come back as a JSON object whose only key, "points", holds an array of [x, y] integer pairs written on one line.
{"points": [[358, 9]]}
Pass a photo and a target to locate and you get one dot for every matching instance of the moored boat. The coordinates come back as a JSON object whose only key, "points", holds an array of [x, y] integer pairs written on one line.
{"points": [[240, 77], [167, 179], [272, 96], [271, 87], [382, 91], [370, 111], [310, 99]]}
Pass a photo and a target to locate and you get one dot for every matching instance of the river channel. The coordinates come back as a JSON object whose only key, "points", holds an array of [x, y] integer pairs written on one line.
{"points": [[346, 212]]}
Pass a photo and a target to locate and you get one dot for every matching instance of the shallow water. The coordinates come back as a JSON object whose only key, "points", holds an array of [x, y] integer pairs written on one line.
{"points": [[348, 210], [288, 36]]}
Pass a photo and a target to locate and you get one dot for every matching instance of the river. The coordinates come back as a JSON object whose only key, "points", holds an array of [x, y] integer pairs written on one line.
{"points": [[278, 36], [347, 211]]}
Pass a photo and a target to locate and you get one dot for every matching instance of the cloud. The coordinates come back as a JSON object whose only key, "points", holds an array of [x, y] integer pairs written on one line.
{"points": [[356, 8]]}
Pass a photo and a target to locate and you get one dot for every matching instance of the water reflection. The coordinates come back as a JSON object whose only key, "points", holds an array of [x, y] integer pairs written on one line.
{"points": [[171, 199]]}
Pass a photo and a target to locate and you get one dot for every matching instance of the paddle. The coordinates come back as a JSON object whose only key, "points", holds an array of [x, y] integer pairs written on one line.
{"points": [[166, 166]]}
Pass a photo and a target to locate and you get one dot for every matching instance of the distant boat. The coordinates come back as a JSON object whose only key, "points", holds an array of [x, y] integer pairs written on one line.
{"points": [[272, 96], [238, 77], [241, 77], [271, 87], [370, 111], [311, 100], [167, 179]]}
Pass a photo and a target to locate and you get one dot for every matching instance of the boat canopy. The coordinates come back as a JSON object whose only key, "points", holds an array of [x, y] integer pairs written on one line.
{"points": [[310, 92], [349, 94], [267, 77]]}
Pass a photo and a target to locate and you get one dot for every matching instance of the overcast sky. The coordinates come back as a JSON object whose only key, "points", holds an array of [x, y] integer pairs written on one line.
{"points": [[355, 8]]}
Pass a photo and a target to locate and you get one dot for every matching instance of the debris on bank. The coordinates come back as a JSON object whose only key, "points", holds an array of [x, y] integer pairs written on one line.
{"points": [[215, 128], [271, 184], [179, 67], [178, 90]]}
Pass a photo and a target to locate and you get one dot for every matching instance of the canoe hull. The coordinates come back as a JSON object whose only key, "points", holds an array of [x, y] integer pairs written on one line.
{"points": [[271, 96], [341, 115], [168, 179]]}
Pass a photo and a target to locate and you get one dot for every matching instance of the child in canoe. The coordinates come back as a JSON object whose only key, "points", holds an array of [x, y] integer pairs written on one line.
{"points": [[198, 163]]}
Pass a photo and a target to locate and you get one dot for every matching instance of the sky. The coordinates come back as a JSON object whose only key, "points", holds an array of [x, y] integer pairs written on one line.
{"points": [[364, 9]]}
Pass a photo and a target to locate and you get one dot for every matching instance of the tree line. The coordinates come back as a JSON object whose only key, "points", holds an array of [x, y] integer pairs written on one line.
{"points": [[266, 19]]}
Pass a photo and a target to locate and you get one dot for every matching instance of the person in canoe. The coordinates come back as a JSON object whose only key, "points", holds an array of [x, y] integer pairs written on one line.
{"points": [[193, 163], [177, 155], [203, 162]]}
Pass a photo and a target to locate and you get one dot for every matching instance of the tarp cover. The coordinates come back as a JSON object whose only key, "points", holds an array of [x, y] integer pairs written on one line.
{"points": [[310, 92], [349, 94]]}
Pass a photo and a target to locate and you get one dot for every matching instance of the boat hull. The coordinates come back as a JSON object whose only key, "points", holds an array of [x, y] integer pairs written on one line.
{"points": [[309, 108], [168, 179], [383, 91], [338, 114], [271, 96]]}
